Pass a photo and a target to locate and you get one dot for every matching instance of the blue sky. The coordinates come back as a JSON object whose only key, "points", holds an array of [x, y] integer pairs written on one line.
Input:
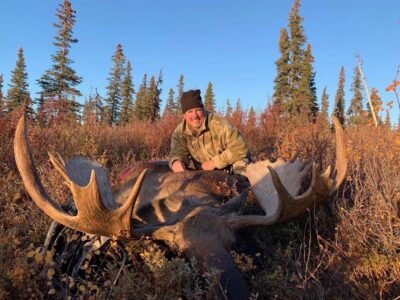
{"points": [[232, 43]]}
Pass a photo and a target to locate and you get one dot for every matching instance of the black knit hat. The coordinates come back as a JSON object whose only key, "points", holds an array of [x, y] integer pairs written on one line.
{"points": [[191, 99]]}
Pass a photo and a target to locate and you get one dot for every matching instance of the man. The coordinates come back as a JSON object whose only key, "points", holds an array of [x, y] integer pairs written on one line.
{"points": [[206, 139]]}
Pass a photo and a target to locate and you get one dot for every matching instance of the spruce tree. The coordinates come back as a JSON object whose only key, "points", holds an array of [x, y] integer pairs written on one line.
{"points": [[324, 104], [139, 110], [127, 92], [307, 84], [354, 113], [93, 109], [281, 83], [41, 111], [238, 115], [251, 118], [59, 82], [297, 53], [157, 100], [229, 110], [98, 107], [18, 94], [170, 106], [338, 109], [152, 107], [88, 116], [113, 99], [387, 119], [294, 85], [180, 86], [209, 98], [376, 104], [2, 104]]}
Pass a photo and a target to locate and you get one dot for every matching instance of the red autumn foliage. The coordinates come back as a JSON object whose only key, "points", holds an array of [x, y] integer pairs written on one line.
{"points": [[347, 249]]}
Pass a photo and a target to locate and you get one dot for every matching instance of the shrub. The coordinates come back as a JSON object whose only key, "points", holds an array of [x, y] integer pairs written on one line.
{"points": [[349, 248]]}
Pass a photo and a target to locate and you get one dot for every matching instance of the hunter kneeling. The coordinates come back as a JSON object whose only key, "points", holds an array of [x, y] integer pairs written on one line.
{"points": [[206, 139]]}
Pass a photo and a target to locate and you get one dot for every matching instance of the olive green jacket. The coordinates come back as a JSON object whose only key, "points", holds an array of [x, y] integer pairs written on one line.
{"points": [[217, 140]]}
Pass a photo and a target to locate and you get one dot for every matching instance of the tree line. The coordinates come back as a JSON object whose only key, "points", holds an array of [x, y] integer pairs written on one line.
{"points": [[294, 85], [58, 86]]}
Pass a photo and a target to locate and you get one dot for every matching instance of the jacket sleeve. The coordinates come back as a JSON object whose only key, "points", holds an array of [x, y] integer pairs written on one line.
{"points": [[179, 149], [235, 147]]}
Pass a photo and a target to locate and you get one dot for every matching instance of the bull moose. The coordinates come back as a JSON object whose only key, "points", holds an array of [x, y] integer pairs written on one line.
{"points": [[189, 210]]}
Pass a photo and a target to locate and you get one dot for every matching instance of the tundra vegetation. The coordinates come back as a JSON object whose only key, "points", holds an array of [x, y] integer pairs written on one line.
{"points": [[346, 248]]}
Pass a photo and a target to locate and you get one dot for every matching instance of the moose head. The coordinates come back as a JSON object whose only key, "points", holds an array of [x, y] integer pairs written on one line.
{"points": [[189, 210]]}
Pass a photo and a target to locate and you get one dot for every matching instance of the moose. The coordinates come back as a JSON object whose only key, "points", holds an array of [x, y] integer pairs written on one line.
{"points": [[188, 211]]}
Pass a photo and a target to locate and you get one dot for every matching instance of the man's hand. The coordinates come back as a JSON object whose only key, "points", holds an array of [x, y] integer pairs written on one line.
{"points": [[178, 166], [208, 165]]}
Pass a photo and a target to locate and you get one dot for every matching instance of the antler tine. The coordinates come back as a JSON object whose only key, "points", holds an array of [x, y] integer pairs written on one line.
{"points": [[341, 155], [59, 165], [321, 185], [92, 213]]}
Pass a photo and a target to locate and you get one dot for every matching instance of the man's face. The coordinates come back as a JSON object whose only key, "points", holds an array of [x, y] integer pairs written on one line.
{"points": [[194, 117]]}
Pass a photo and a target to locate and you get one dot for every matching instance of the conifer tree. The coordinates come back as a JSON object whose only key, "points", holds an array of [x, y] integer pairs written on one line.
{"points": [[157, 100], [307, 84], [376, 104], [387, 119], [88, 116], [2, 104], [295, 81], [127, 92], [98, 107], [338, 110], [41, 111], [93, 109], [180, 87], [281, 83], [18, 94], [170, 106], [152, 110], [238, 115], [297, 41], [139, 112], [354, 113], [251, 118], [59, 82], [324, 104], [113, 99], [229, 110], [209, 98]]}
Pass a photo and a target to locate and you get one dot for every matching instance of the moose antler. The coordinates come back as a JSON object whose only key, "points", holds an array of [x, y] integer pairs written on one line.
{"points": [[90, 189], [276, 184]]}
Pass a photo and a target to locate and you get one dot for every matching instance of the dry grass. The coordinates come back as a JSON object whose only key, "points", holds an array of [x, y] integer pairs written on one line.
{"points": [[349, 248]]}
